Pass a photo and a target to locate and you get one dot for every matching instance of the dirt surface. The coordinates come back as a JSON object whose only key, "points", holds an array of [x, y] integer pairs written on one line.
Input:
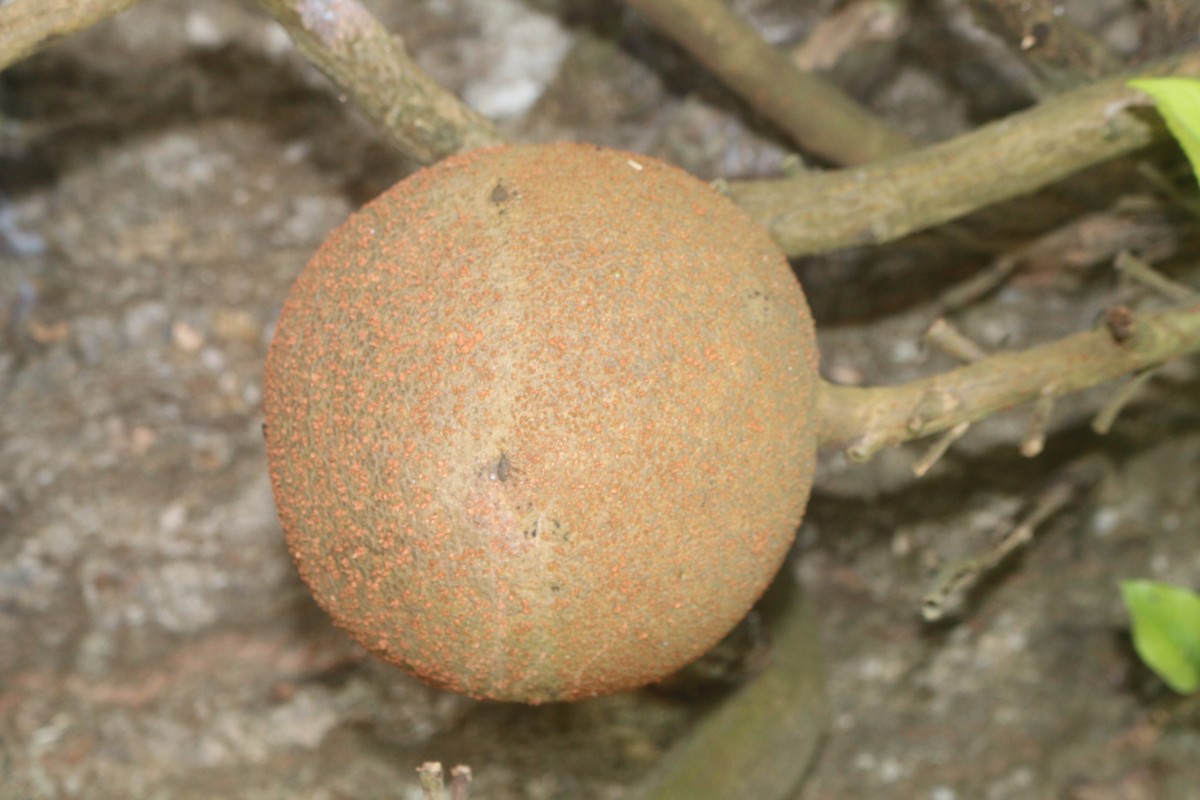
{"points": [[166, 175]]}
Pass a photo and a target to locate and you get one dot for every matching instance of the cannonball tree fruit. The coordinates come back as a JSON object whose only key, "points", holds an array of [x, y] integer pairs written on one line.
{"points": [[540, 421]]}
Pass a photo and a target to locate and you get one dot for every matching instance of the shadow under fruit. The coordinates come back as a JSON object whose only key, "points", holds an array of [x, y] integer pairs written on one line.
{"points": [[540, 421]]}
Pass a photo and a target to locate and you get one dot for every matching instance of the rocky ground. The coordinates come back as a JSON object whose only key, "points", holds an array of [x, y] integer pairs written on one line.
{"points": [[164, 177]]}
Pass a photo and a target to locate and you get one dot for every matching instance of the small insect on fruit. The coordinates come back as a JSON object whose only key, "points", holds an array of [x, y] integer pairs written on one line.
{"points": [[546, 339]]}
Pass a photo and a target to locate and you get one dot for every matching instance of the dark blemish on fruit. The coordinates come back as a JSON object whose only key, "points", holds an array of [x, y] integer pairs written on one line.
{"points": [[501, 469], [759, 304], [500, 194]]}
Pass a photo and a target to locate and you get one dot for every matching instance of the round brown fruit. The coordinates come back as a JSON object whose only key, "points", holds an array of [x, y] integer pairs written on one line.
{"points": [[540, 421]]}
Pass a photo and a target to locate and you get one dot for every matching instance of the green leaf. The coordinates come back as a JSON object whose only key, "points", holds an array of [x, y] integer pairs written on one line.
{"points": [[1178, 101], [1166, 631]]}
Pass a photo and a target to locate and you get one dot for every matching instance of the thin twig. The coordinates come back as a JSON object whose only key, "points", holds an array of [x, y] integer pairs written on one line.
{"points": [[372, 67], [942, 334], [460, 782], [883, 201], [1155, 177], [869, 419], [1062, 54], [955, 579], [27, 26], [815, 114], [971, 290], [1103, 421], [939, 448], [1034, 440], [432, 783], [1138, 270]]}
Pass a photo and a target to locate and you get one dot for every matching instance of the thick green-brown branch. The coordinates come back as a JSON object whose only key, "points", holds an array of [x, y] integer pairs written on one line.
{"points": [[371, 65], [813, 112], [865, 420], [27, 26], [883, 201]]}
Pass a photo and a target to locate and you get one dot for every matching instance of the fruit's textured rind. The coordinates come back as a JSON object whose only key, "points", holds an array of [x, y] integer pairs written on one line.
{"points": [[539, 421]]}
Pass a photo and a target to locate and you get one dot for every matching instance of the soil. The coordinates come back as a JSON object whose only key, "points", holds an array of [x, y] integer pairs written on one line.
{"points": [[164, 177]]}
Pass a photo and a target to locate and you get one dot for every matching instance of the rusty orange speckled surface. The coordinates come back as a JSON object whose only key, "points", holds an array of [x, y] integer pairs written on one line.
{"points": [[539, 421]]}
